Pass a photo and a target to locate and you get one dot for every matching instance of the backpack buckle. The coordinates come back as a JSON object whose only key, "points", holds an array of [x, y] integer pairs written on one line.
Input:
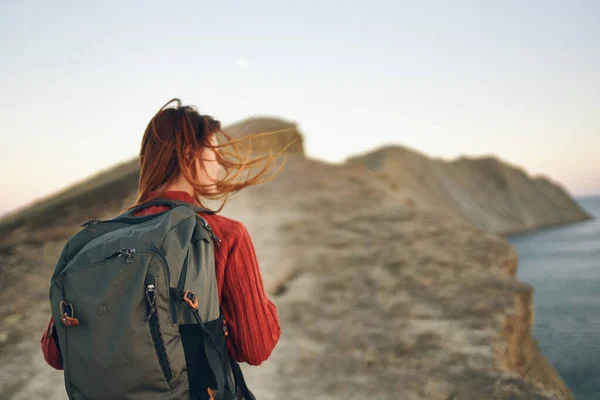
{"points": [[191, 300], [211, 393]]}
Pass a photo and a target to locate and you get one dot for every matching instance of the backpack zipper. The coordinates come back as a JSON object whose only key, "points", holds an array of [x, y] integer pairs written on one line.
{"points": [[183, 275], [157, 338], [180, 287], [90, 222], [214, 237], [165, 264], [162, 259]]}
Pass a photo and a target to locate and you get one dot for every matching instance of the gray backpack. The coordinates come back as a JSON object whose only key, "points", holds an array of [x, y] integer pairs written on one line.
{"points": [[137, 313]]}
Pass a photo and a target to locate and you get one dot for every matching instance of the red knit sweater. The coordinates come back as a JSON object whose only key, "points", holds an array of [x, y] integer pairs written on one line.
{"points": [[251, 317]]}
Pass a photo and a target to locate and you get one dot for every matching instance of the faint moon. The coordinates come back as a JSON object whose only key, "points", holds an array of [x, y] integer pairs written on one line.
{"points": [[241, 62]]}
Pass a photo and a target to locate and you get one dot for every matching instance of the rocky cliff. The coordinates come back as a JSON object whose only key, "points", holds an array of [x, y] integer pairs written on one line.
{"points": [[493, 195], [382, 292]]}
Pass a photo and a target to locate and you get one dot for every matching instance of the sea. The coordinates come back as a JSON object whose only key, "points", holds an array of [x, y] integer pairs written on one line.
{"points": [[563, 266]]}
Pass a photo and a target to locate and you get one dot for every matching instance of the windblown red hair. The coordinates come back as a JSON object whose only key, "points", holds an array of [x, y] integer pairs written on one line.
{"points": [[176, 136]]}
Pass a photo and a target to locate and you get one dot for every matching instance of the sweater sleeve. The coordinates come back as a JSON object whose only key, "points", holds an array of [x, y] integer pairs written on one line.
{"points": [[50, 348], [251, 317]]}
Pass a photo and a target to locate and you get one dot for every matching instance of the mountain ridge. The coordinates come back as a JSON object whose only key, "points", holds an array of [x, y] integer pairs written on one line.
{"points": [[385, 286], [277, 142]]}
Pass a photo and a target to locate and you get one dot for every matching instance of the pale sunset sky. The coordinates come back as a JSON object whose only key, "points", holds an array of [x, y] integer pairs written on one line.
{"points": [[79, 81]]}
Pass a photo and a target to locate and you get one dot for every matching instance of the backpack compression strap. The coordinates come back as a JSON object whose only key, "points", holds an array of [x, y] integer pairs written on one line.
{"points": [[210, 347], [240, 381]]}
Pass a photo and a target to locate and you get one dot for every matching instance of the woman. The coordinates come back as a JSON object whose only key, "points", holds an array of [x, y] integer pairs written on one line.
{"points": [[181, 160]]}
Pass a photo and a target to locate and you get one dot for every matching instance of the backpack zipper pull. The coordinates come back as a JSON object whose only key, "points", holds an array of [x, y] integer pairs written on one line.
{"points": [[90, 222], [68, 314], [150, 298], [127, 253]]}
